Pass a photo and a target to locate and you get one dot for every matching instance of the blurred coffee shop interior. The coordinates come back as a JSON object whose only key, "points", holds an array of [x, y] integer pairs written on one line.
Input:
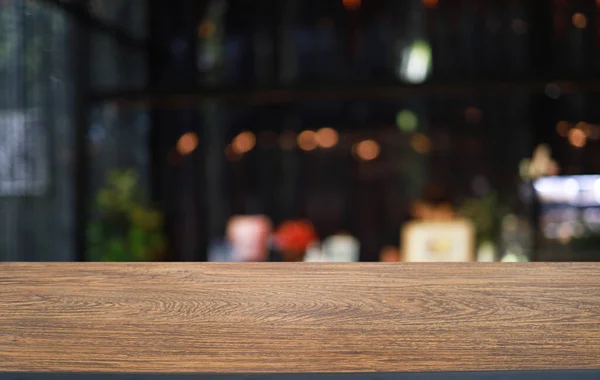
{"points": [[299, 130]]}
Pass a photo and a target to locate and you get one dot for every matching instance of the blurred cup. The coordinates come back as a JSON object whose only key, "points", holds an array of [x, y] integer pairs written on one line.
{"points": [[341, 248], [249, 236]]}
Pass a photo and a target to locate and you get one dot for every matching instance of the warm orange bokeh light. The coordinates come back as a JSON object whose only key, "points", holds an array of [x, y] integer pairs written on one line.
{"points": [[473, 115], [562, 128], [579, 20], [594, 132], [367, 150], [230, 154], [420, 143], [351, 5], [577, 138], [585, 127], [187, 143], [327, 137], [430, 3], [307, 140], [244, 142], [206, 29]]}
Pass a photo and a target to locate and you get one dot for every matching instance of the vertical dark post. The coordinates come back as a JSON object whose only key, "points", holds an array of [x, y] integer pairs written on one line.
{"points": [[214, 148], [287, 72], [81, 61], [265, 74], [285, 49], [542, 109], [214, 131], [153, 64], [177, 181]]}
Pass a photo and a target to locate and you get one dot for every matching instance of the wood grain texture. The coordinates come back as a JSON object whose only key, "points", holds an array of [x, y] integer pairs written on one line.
{"points": [[278, 317]]}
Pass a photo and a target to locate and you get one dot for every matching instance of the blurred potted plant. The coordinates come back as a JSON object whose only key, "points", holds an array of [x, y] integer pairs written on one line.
{"points": [[486, 212], [125, 228]]}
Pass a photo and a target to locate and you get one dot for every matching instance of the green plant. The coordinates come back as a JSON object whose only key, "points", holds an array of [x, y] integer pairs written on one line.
{"points": [[486, 213], [124, 227]]}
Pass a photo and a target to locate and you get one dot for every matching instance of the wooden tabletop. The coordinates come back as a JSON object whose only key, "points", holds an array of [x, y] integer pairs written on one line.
{"points": [[277, 317]]}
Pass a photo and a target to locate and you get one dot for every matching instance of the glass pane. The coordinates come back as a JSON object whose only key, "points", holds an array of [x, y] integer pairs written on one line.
{"points": [[115, 67], [128, 15], [124, 226], [36, 160]]}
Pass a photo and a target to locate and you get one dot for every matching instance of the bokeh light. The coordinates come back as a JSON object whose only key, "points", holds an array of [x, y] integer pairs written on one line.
{"points": [[307, 140], [187, 143], [562, 128], [579, 20], [430, 3], [416, 62], [206, 29], [406, 121], [577, 138], [585, 127], [596, 190], [351, 5], [327, 137], [244, 142], [565, 233], [231, 155], [367, 150], [420, 143], [473, 115], [594, 132]]}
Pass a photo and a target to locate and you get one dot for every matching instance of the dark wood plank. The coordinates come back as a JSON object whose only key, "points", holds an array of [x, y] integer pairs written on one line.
{"points": [[298, 317]]}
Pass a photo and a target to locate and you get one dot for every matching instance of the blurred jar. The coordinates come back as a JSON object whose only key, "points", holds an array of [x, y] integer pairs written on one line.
{"points": [[293, 237], [249, 236]]}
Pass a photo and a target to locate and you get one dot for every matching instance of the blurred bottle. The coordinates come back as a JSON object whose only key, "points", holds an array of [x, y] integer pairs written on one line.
{"points": [[341, 248], [220, 251], [389, 254], [292, 238], [486, 252], [249, 237], [516, 239], [314, 254]]}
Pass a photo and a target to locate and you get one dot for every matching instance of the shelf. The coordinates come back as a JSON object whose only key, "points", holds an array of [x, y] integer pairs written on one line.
{"points": [[175, 98]]}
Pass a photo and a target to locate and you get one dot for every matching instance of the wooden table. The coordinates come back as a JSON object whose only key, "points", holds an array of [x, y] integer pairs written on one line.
{"points": [[275, 317]]}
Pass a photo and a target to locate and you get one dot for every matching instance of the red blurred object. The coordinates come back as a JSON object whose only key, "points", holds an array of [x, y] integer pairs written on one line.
{"points": [[293, 237], [389, 254]]}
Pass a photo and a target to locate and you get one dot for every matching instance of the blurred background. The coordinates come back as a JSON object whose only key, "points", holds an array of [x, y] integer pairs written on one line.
{"points": [[290, 130]]}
